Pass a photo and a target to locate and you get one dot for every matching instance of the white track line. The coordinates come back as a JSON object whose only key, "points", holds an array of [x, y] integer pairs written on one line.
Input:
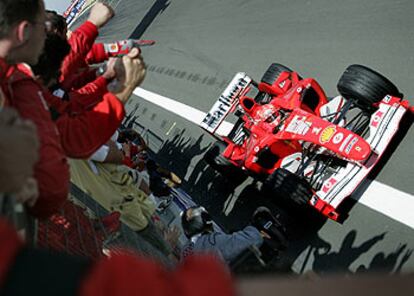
{"points": [[389, 201], [187, 112], [382, 198]]}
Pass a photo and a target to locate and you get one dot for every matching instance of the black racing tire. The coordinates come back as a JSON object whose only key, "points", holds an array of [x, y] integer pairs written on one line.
{"points": [[365, 86], [218, 162], [273, 72], [289, 186]]}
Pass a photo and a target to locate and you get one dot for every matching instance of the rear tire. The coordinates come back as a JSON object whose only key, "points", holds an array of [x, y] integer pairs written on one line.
{"points": [[215, 159], [365, 86], [289, 186]]}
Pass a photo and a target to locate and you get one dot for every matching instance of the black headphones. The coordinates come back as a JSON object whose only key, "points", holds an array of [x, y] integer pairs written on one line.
{"points": [[199, 221]]}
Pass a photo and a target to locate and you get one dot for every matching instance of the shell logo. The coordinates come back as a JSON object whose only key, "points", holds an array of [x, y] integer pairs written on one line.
{"points": [[327, 134]]}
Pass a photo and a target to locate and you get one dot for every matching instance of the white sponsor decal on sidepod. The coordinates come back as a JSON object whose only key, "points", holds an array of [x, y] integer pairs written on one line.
{"points": [[298, 125]]}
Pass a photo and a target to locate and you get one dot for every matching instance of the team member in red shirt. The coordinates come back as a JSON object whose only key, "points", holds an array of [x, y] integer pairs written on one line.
{"points": [[75, 71], [81, 41], [22, 40], [84, 125]]}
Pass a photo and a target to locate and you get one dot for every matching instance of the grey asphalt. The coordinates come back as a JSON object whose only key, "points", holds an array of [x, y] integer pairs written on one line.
{"points": [[201, 44]]}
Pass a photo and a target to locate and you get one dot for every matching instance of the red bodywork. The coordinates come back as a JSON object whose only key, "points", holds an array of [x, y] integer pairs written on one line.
{"points": [[301, 122], [290, 124]]}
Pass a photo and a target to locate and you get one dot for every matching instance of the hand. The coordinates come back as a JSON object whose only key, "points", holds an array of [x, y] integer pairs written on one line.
{"points": [[127, 149], [130, 71], [175, 179], [110, 72], [100, 14], [264, 234], [18, 151]]}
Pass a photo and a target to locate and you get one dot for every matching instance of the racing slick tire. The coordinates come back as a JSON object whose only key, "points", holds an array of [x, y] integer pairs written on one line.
{"points": [[289, 186], [218, 162], [365, 86], [273, 72]]}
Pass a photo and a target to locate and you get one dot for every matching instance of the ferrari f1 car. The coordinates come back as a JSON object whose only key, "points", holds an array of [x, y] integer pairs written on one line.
{"points": [[301, 144]]}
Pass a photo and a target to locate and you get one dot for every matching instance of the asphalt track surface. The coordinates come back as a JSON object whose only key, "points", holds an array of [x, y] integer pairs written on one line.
{"points": [[201, 44]]}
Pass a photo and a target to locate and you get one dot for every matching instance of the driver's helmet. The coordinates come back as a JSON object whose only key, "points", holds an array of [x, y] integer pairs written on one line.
{"points": [[268, 113], [196, 220]]}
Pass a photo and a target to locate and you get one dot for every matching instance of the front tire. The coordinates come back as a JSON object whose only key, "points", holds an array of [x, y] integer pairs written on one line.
{"points": [[289, 186], [365, 86]]}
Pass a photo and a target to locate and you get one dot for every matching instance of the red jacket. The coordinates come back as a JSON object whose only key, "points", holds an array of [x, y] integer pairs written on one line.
{"points": [[51, 171], [97, 54], [120, 274], [79, 100], [82, 134], [81, 42], [76, 133], [83, 124], [79, 80], [10, 245]]}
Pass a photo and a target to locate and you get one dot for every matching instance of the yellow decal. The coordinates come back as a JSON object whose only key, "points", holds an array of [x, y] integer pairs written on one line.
{"points": [[327, 134]]}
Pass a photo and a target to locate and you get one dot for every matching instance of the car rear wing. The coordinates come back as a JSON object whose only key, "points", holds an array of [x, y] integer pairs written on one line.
{"points": [[215, 117]]}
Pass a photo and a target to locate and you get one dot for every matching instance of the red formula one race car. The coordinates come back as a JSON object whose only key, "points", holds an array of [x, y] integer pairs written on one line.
{"points": [[300, 144]]}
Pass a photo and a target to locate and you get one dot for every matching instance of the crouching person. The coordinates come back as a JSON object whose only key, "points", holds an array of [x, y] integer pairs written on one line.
{"points": [[204, 238]]}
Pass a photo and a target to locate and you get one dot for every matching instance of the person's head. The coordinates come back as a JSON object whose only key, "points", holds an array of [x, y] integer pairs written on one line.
{"points": [[127, 134], [131, 135], [22, 30], [50, 61], [196, 220], [55, 23]]}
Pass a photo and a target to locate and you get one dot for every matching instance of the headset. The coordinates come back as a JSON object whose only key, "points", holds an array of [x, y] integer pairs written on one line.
{"points": [[198, 221]]}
